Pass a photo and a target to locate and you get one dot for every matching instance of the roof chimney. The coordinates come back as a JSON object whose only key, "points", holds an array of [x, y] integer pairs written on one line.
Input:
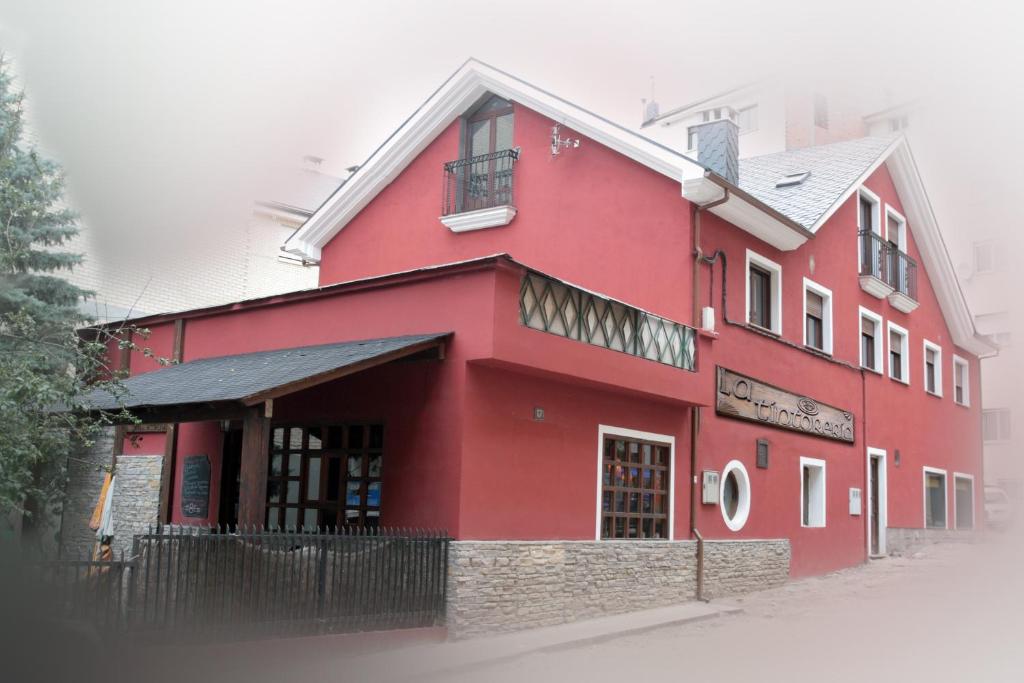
{"points": [[718, 147]]}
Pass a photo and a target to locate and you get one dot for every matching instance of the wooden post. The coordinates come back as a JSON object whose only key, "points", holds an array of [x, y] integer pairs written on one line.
{"points": [[252, 496], [171, 438]]}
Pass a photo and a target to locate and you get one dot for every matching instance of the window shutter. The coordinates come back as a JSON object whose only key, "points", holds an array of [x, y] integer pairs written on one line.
{"points": [[815, 305]]}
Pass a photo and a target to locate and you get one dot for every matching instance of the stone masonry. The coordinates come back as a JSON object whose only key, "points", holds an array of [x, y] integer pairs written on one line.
{"points": [[136, 498], [496, 586], [86, 470], [903, 541]]}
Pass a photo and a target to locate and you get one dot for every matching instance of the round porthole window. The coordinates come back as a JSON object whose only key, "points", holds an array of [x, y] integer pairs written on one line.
{"points": [[734, 495]]}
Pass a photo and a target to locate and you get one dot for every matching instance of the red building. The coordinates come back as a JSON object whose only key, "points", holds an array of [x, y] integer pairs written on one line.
{"points": [[597, 340]]}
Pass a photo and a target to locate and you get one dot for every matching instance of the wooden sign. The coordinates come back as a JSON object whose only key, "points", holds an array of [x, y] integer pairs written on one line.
{"points": [[195, 487], [746, 398]]}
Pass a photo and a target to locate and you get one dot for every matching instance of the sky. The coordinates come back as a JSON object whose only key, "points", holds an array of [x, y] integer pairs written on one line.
{"points": [[171, 117]]}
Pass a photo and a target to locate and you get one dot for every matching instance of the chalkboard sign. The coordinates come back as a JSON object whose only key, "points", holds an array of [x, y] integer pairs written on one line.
{"points": [[195, 487]]}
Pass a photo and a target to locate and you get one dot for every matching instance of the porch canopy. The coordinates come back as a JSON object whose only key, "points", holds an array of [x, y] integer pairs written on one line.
{"points": [[245, 386], [224, 387]]}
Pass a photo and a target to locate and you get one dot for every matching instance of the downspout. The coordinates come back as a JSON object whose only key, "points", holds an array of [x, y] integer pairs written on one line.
{"points": [[698, 258]]}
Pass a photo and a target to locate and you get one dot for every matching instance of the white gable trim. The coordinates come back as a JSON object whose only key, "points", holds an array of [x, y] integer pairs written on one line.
{"points": [[935, 257], [451, 100]]}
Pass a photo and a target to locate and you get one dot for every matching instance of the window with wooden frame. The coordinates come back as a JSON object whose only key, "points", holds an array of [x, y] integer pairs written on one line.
{"points": [[325, 476], [760, 297], [486, 173], [634, 488]]}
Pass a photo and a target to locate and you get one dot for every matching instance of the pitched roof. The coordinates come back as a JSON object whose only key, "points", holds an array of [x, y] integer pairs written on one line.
{"points": [[251, 377], [835, 171]]}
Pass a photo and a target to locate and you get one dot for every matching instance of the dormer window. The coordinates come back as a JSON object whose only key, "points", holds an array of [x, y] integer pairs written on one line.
{"points": [[478, 187]]}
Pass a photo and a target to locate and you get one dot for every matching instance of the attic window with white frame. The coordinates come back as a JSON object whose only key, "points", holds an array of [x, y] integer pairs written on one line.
{"points": [[932, 368], [870, 340], [812, 492], [817, 316], [899, 353], [746, 119], [764, 292], [961, 381]]}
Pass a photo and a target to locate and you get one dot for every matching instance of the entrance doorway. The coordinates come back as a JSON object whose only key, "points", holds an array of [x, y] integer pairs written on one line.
{"points": [[230, 478], [877, 502]]}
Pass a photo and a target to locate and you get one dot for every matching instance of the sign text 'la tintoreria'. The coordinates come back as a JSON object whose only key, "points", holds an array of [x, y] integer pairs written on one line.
{"points": [[746, 398]]}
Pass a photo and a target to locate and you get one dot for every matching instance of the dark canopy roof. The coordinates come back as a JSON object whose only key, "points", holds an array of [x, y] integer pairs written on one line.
{"points": [[249, 378]]}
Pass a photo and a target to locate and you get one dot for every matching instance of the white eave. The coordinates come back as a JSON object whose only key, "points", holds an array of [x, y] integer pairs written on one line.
{"points": [[464, 88], [744, 211]]}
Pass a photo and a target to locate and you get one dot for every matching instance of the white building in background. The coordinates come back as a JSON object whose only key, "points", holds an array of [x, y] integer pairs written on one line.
{"points": [[248, 261], [776, 115]]}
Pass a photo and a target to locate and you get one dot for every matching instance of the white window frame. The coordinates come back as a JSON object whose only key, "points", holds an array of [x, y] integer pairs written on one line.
{"points": [[904, 352], [826, 314], [609, 430], [776, 286], [743, 504], [879, 343], [757, 113], [930, 346], [821, 504], [957, 360], [876, 219], [901, 231], [925, 471], [974, 501], [995, 262], [998, 412]]}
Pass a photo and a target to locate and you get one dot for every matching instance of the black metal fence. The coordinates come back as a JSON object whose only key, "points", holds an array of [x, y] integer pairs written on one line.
{"points": [[256, 582], [880, 259], [479, 182]]}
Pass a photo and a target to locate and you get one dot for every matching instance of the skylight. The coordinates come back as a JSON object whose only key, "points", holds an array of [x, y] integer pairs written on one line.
{"points": [[791, 179]]}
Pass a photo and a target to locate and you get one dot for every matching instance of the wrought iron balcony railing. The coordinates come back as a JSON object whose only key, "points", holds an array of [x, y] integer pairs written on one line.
{"points": [[881, 260], [480, 182], [551, 306]]}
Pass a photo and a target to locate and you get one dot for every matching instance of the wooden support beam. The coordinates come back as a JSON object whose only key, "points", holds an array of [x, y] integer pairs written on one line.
{"points": [[252, 497], [171, 438]]}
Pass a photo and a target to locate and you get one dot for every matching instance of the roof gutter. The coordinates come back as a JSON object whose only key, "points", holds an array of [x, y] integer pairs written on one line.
{"points": [[729, 188]]}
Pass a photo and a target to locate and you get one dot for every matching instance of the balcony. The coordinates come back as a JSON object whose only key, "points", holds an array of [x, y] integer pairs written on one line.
{"points": [[555, 307], [478, 191], [887, 272]]}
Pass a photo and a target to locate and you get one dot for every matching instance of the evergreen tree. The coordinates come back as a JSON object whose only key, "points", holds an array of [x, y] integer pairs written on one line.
{"points": [[45, 362]]}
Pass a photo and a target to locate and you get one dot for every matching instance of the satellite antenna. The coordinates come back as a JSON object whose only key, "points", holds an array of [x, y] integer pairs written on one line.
{"points": [[557, 143]]}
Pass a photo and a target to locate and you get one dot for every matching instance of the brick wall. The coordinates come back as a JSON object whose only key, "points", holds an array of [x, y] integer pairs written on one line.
{"points": [[501, 586]]}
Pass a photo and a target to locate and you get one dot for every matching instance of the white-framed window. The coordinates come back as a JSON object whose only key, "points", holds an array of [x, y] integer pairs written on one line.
{"points": [[895, 228], [812, 492], [635, 484], [871, 342], [746, 119], [691, 138], [961, 381], [934, 498], [995, 424], [963, 501], [817, 316], [988, 256], [764, 292], [899, 353], [932, 368], [734, 495]]}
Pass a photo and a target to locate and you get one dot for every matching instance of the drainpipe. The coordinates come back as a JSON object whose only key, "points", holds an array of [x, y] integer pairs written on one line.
{"points": [[698, 259]]}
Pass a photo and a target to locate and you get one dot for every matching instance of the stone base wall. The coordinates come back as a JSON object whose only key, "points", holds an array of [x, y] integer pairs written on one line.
{"points": [[136, 498], [86, 469], [499, 586], [902, 541], [735, 567]]}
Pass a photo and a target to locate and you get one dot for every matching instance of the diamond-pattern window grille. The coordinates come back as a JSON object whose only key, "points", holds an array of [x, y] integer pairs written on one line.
{"points": [[555, 307]]}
